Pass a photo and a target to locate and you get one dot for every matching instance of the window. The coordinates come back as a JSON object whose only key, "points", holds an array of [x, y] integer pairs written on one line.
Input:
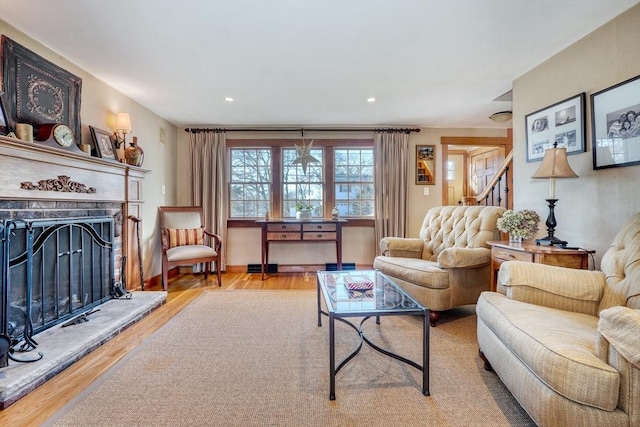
{"points": [[250, 183], [298, 187], [353, 177], [451, 170], [264, 180]]}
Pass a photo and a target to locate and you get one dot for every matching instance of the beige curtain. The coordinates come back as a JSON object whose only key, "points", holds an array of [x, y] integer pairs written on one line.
{"points": [[391, 171], [207, 151]]}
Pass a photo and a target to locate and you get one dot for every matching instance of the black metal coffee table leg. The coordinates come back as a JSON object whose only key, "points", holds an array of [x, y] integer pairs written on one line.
{"points": [[332, 358], [425, 353]]}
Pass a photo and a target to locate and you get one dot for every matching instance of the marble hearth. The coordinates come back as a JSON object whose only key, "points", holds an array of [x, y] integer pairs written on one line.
{"points": [[62, 347]]}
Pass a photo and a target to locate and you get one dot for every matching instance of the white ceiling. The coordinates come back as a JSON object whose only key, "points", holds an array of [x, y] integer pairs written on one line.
{"points": [[435, 63]]}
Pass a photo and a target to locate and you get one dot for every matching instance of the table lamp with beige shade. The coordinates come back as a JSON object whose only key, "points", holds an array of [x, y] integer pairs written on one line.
{"points": [[554, 166]]}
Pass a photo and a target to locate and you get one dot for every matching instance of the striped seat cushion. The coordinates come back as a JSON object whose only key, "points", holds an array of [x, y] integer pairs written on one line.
{"points": [[185, 236]]}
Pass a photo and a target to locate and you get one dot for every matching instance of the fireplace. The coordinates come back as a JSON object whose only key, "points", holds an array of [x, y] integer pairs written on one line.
{"points": [[62, 235], [53, 270], [64, 229]]}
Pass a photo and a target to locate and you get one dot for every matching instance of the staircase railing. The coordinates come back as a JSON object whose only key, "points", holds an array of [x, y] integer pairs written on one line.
{"points": [[499, 186]]}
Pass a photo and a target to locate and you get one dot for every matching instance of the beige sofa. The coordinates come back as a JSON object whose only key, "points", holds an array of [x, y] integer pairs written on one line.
{"points": [[449, 264], [567, 342]]}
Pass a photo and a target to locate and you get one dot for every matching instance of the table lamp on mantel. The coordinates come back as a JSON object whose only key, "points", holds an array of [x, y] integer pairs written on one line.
{"points": [[554, 166]]}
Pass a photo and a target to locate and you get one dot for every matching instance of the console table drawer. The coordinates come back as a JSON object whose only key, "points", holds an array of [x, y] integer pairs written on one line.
{"points": [[508, 255], [283, 227], [319, 227], [283, 236], [319, 236]]}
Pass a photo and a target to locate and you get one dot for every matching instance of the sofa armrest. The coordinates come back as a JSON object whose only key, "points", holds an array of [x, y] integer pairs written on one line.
{"points": [[401, 247], [567, 289], [464, 257], [619, 326]]}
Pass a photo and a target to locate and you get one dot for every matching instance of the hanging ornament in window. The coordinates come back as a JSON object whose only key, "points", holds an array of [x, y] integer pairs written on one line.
{"points": [[304, 155]]}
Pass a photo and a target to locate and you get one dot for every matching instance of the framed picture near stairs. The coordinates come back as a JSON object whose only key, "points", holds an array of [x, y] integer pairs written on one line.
{"points": [[425, 164]]}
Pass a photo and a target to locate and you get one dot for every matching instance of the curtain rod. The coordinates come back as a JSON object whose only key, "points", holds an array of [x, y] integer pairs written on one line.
{"points": [[383, 130]]}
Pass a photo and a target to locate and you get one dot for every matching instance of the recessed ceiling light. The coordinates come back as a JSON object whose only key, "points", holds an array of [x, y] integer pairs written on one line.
{"points": [[371, 99], [228, 99]]}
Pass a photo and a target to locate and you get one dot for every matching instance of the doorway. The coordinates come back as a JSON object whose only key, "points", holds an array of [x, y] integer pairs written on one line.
{"points": [[469, 164]]}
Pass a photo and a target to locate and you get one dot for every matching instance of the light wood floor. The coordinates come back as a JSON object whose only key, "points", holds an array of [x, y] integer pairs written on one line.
{"points": [[45, 401]]}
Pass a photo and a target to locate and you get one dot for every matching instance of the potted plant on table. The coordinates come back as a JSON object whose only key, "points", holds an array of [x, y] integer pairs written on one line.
{"points": [[519, 224], [303, 210]]}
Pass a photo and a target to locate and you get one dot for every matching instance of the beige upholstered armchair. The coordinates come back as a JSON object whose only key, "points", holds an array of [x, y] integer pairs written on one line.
{"points": [[566, 342], [449, 264], [185, 241]]}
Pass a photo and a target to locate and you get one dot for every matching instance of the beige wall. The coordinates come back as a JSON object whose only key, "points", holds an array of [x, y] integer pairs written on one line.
{"points": [[243, 244], [99, 105], [592, 208]]}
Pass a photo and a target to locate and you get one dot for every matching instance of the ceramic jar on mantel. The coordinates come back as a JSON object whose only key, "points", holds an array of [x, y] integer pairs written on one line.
{"points": [[133, 154]]}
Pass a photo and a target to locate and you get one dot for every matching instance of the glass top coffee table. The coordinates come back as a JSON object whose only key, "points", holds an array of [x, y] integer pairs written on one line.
{"points": [[366, 294]]}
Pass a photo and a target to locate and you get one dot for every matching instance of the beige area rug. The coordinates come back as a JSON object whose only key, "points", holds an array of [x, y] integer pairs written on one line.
{"points": [[258, 358]]}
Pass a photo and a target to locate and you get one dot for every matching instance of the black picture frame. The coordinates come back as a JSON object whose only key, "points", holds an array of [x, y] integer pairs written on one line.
{"points": [[6, 126], [613, 143], [103, 144], [37, 90], [562, 123]]}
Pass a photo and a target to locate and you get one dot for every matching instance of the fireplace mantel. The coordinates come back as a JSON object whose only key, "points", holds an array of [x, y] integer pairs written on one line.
{"points": [[41, 182], [30, 171]]}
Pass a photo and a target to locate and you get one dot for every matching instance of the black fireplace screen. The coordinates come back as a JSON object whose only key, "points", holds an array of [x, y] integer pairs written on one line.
{"points": [[53, 270]]}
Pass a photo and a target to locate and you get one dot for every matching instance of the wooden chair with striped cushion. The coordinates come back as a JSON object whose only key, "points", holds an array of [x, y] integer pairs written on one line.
{"points": [[186, 242]]}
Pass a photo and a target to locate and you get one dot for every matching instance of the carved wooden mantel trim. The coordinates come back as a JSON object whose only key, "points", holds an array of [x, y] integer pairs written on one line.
{"points": [[61, 183], [29, 166]]}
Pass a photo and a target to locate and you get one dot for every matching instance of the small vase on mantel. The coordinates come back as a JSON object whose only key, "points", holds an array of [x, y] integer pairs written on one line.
{"points": [[133, 154], [514, 239]]}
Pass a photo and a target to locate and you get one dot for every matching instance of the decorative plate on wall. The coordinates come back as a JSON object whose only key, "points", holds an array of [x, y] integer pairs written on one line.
{"points": [[37, 91]]}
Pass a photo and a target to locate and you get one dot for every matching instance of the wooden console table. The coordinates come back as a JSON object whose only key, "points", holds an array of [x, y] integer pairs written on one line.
{"points": [[502, 251], [297, 231]]}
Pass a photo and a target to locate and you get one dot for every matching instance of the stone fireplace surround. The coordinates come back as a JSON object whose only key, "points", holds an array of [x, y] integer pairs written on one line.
{"points": [[38, 182]]}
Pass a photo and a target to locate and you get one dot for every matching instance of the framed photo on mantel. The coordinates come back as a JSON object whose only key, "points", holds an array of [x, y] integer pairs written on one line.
{"points": [[103, 146], [425, 164], [5, 119]]}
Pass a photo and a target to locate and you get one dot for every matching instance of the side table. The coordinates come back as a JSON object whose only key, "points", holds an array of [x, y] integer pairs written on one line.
{"points": [[502, 251]]}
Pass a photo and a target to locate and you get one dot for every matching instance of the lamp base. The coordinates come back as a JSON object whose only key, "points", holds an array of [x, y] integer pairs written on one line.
{"points": [[551, 241]]}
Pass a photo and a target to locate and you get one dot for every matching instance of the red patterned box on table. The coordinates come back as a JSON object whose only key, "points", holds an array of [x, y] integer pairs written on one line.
{"points": [[358, 283]]}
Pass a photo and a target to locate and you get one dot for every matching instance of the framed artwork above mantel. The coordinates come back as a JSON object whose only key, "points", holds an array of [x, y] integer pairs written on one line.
{"points": [[37, 91]]}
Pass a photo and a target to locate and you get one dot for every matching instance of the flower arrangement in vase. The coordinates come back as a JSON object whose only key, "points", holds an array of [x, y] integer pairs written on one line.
{"points": [[519, 224], [303, 210]]}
